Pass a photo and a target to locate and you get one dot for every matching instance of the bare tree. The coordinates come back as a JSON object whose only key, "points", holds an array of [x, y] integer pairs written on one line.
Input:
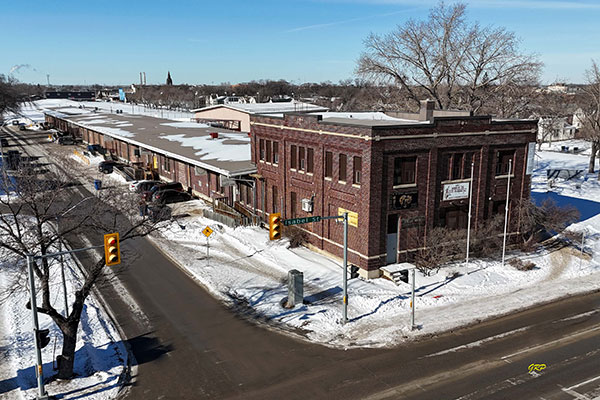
{"points": [[546, 218], [29, 225], [457, 64], [591, 112], [10, 95]]}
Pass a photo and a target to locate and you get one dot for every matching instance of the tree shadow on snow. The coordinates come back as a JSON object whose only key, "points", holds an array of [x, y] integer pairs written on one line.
{"points": [[587, 208]]}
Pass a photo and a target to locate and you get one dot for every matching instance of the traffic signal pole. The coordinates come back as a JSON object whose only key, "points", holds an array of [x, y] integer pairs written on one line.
{"points": [[345, 314], [42, 394], [38, 352]]}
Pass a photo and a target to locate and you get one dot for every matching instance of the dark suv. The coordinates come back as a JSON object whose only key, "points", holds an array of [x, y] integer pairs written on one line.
{"points": [[106, 167], [168, 196], [147, 195]]}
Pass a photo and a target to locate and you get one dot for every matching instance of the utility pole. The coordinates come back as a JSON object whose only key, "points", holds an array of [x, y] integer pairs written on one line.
{"points": [[412, 302], [345, 313], [42, 395], [506, 211]]}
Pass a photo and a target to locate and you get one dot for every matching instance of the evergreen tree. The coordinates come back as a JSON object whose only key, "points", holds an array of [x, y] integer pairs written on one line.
{"points": [[169, 80]]}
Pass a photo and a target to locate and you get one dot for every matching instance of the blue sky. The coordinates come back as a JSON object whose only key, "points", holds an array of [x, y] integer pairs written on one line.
{"points": [[110, 42]]}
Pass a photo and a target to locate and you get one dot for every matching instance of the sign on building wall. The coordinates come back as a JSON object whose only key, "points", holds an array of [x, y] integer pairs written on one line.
{"points": [[456, 191], [352, 216], [530, 158], [226, 181], [402, 201]]}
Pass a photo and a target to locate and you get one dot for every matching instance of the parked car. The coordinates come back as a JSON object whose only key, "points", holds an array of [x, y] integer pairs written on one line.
{"points": [[4, 142], [107, 167], [143, 185], [147, 195], [66, 140], [170, 196]]}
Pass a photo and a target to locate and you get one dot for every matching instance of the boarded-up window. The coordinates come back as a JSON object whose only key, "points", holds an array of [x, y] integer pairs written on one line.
{"points": [[262, 149], [293, 157], [310, 155], [357, 169], [343, 165], [328, 164]]}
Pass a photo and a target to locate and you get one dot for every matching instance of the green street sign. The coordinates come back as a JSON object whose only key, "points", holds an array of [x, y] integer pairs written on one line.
{"points": [[298, 221]]}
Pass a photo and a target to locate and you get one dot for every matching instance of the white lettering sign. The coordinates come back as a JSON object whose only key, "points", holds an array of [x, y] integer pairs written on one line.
{"points": [[456, 191]]}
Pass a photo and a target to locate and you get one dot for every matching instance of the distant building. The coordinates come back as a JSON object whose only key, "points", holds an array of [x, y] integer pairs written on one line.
{"points": [[237, 116], [551, 129], [81, 96]]}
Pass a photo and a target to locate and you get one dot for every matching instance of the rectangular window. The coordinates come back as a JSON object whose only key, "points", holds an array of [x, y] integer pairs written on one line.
{"points": [[301, 159], [343, 159], [261, 149], [357, 169], [166, 164], [445, 167], [293, 157], [404, 170], [275, 199], [249, 199], [457, 166], [310, 156], [467, 165], [275, 152], [293, 204], [328, 164], [268, 151], [502, 159]]}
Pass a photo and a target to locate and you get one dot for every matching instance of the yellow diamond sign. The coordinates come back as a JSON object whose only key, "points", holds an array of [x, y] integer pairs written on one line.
{"points": [[207, 231]]}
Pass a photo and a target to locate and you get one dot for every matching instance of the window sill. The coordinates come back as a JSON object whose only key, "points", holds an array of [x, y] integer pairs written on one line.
{"points": [[342, 182], [356, 185], [455, 181], [309, 173], [504, 176], [405, 185], [328, 179]]}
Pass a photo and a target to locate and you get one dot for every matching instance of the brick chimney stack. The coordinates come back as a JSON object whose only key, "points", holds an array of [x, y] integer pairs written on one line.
{"points": [[426, 111]]}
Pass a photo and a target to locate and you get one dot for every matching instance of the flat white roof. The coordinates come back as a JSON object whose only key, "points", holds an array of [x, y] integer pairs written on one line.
{"points": [[269, 108]]}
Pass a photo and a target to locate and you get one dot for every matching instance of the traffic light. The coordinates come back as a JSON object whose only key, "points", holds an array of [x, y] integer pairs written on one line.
{"points": [[112, 253], [42, 337], [275, 226]]}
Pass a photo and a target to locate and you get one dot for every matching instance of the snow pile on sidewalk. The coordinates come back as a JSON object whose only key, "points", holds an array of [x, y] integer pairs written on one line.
{"points": [[249, 272], [100, 357]]}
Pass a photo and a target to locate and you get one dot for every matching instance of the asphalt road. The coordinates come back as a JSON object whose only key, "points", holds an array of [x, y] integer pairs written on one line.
{"points": [[189, 346]]}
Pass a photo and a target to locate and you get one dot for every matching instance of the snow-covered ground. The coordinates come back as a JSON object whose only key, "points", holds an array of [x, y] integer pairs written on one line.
{"points": [[101, 356], [249, 271]]}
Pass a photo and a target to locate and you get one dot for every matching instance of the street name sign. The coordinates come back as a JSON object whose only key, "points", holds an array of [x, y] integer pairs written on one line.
{"points": [[298, 221]]}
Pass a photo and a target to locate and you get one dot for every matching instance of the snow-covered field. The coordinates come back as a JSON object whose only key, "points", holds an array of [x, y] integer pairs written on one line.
{"points": [[100, 356]]}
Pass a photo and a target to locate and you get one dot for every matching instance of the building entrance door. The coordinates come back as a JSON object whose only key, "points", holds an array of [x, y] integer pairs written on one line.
{"points": [[392, 239]]}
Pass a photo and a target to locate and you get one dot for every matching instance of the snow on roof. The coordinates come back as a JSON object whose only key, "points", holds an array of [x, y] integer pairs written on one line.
{"points": [[229, 154], [371, 116], [268, 108]]}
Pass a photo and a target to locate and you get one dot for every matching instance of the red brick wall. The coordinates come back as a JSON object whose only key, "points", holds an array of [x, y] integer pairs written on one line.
{"points": [[372, 200]]}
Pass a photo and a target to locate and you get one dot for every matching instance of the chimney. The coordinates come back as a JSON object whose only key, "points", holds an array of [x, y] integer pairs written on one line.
{"points": [[426, 111]]}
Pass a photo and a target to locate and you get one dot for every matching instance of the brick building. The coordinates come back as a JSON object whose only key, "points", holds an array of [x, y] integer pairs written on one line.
{"points": [[397, 175]]}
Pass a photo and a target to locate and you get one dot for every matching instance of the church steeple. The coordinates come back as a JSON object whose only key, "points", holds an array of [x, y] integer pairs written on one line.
{"points": [[169, 80]]}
